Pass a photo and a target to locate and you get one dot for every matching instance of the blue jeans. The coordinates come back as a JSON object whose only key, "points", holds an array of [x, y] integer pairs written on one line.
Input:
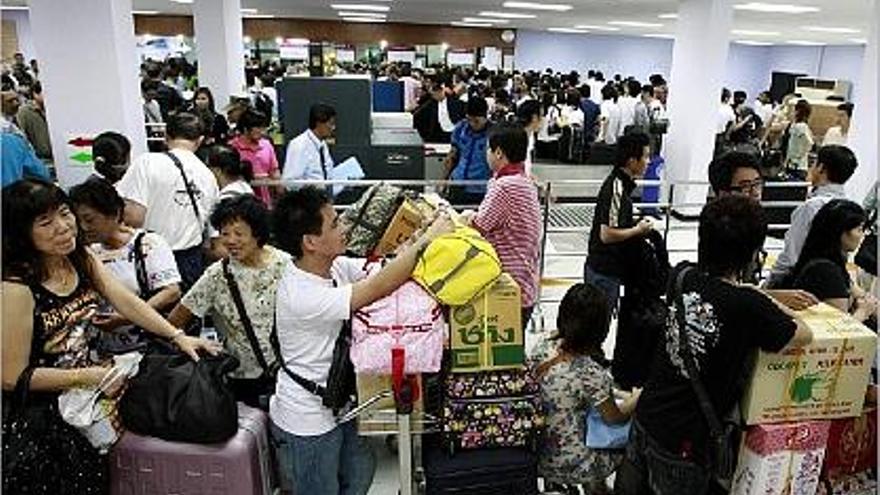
{"points": [[338, 462], [607, 284]]}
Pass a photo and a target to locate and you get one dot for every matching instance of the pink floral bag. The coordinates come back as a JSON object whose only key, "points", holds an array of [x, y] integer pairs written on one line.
{"points": [[409, 318]]}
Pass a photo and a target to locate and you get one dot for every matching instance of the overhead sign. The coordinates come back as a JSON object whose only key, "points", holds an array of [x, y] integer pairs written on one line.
{"points": [[294, 50]]}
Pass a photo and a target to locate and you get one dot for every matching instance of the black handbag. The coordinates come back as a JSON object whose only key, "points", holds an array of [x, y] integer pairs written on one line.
{"points": [[341, 389], [866, 256], [177, 399], [723, 441]]}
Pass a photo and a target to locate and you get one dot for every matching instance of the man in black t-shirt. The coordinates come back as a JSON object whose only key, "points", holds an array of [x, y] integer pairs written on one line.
{"points": [[613, 222], [727, 322]]}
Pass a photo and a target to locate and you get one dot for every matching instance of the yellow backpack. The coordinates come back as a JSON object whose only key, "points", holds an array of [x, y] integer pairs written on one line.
{"points": [[456, 267]]}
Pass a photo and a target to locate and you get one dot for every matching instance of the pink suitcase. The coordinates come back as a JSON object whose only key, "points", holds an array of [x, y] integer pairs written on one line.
{"points": [[241, 466]]}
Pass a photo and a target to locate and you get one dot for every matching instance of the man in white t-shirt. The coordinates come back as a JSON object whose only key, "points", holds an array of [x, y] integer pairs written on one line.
{"points": [[158, 199], [627, 104], [726, 115], [318, 293], [839, 134]]}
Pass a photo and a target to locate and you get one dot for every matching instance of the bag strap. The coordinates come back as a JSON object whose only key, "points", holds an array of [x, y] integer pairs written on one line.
{"points": [[715, 429], [20, 394], [305, 383], [189, 190], [472, 252], [140, 264], [245, 319], [544, 367]]}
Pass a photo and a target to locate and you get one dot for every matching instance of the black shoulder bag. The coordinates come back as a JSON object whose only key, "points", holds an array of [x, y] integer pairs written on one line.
{"points": [[341, 389], [266, 383], [721, 450], [140, 266]]}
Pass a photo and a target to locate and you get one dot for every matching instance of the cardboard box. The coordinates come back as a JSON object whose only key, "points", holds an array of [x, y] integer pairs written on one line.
{"points": [[852, 445], [824, 380], [402, 226], [381, 418], [487, 333], [783, 459]]}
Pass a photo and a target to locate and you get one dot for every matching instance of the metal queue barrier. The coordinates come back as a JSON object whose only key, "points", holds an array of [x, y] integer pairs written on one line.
{"points": [[401, 423]]}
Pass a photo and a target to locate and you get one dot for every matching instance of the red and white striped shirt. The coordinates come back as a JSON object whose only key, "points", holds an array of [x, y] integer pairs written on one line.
{"points": [[510, 219]]}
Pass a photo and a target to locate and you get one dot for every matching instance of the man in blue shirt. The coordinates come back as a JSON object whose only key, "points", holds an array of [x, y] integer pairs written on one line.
{"points": [[467, 158], [591, 114], [18, 157]]}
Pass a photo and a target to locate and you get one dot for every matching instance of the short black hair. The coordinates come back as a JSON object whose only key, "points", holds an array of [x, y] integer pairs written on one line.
{"points": [[511, 139], [585, 91], [609, 92], [320, 114], [634, 88], [98, 194], [721, 169], [631, 147], [252, 119], [583, 319], [725, 94], [527, 111], [297, 214], [227, 159], [648, 89], [732, 229], [148, 85], [846, 107], [477, 107], [839, 161], [110, 150], [183, 125], [740, 95], [248, 209]]}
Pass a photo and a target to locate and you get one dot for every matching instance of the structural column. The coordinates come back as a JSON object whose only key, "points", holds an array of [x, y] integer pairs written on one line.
{"points": [[89, 71], [220, 47], [695, 81], [864, 136]]}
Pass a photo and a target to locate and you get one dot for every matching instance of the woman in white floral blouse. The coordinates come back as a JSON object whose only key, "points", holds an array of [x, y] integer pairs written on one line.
{"points": [[256, 268], [574, 378]]}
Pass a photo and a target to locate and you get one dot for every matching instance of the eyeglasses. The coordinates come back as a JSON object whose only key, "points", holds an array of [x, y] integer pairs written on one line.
{"points": [[748, 187]]}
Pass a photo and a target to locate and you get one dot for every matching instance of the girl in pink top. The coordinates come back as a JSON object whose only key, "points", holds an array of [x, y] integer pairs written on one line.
{"points": [[253, 147]]}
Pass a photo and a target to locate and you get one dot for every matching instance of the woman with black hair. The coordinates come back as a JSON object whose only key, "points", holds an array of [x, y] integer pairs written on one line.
{"points": [[142, 261], [52, 288], [253, 147], [837, 230], [574, 378], [244, 225], [233, 174], [203, 101], [111, 152]]}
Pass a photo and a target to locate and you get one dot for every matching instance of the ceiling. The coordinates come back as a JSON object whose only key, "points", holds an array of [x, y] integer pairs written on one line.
{"points": [[777, 28]]}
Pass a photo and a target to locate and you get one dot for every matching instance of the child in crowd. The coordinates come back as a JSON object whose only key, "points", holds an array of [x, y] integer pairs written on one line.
{"points": [[574, 378], [509, 217]]}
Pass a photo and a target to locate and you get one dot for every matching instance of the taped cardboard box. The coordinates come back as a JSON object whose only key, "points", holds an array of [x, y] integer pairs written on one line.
{"points": [[826, 379], [781, 459], [409, 218], [487, 333], [382, 416]]}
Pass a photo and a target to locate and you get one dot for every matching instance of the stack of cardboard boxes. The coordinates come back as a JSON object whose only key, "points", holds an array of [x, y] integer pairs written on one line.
{"points": [[801, 404]]}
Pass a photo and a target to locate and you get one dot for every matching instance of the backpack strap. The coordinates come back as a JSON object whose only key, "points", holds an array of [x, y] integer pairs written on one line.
{"points": [[245, 319], [140, 264], [715, 429]]}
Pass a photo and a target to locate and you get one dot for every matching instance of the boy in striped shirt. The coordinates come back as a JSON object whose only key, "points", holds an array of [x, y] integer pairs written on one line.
{"points": [[509, 217]]}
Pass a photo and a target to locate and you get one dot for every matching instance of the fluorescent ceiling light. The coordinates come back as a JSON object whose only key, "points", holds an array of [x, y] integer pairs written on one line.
{"points": [[363, 20], [555, 7], [13, 7], [567, 30], [752, 32], [668, 16], [597, 28], [145, 12], [835, 30], [360, 6], [859, 41], [248, 11], [753, 43], [247, 39], [258, 16], [471, 24], [485, 19], [637, 24], [805, 43], [776, 8], [660, 35], [508, 15], [374, 15], [182, 1]]}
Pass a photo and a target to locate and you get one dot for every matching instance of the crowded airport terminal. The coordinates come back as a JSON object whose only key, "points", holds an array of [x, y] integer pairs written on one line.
{"points": [[439, 247]]}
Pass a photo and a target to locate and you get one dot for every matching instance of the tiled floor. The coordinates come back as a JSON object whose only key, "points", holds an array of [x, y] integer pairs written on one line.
{"points": [[564, 260]]}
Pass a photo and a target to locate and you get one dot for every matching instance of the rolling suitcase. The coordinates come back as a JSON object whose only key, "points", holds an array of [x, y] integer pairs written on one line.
{"points": [[241, 466], [506, 471]]}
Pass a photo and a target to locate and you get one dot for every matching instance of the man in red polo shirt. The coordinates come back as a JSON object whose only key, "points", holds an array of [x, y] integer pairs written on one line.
{"points": [[509, 217]]}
